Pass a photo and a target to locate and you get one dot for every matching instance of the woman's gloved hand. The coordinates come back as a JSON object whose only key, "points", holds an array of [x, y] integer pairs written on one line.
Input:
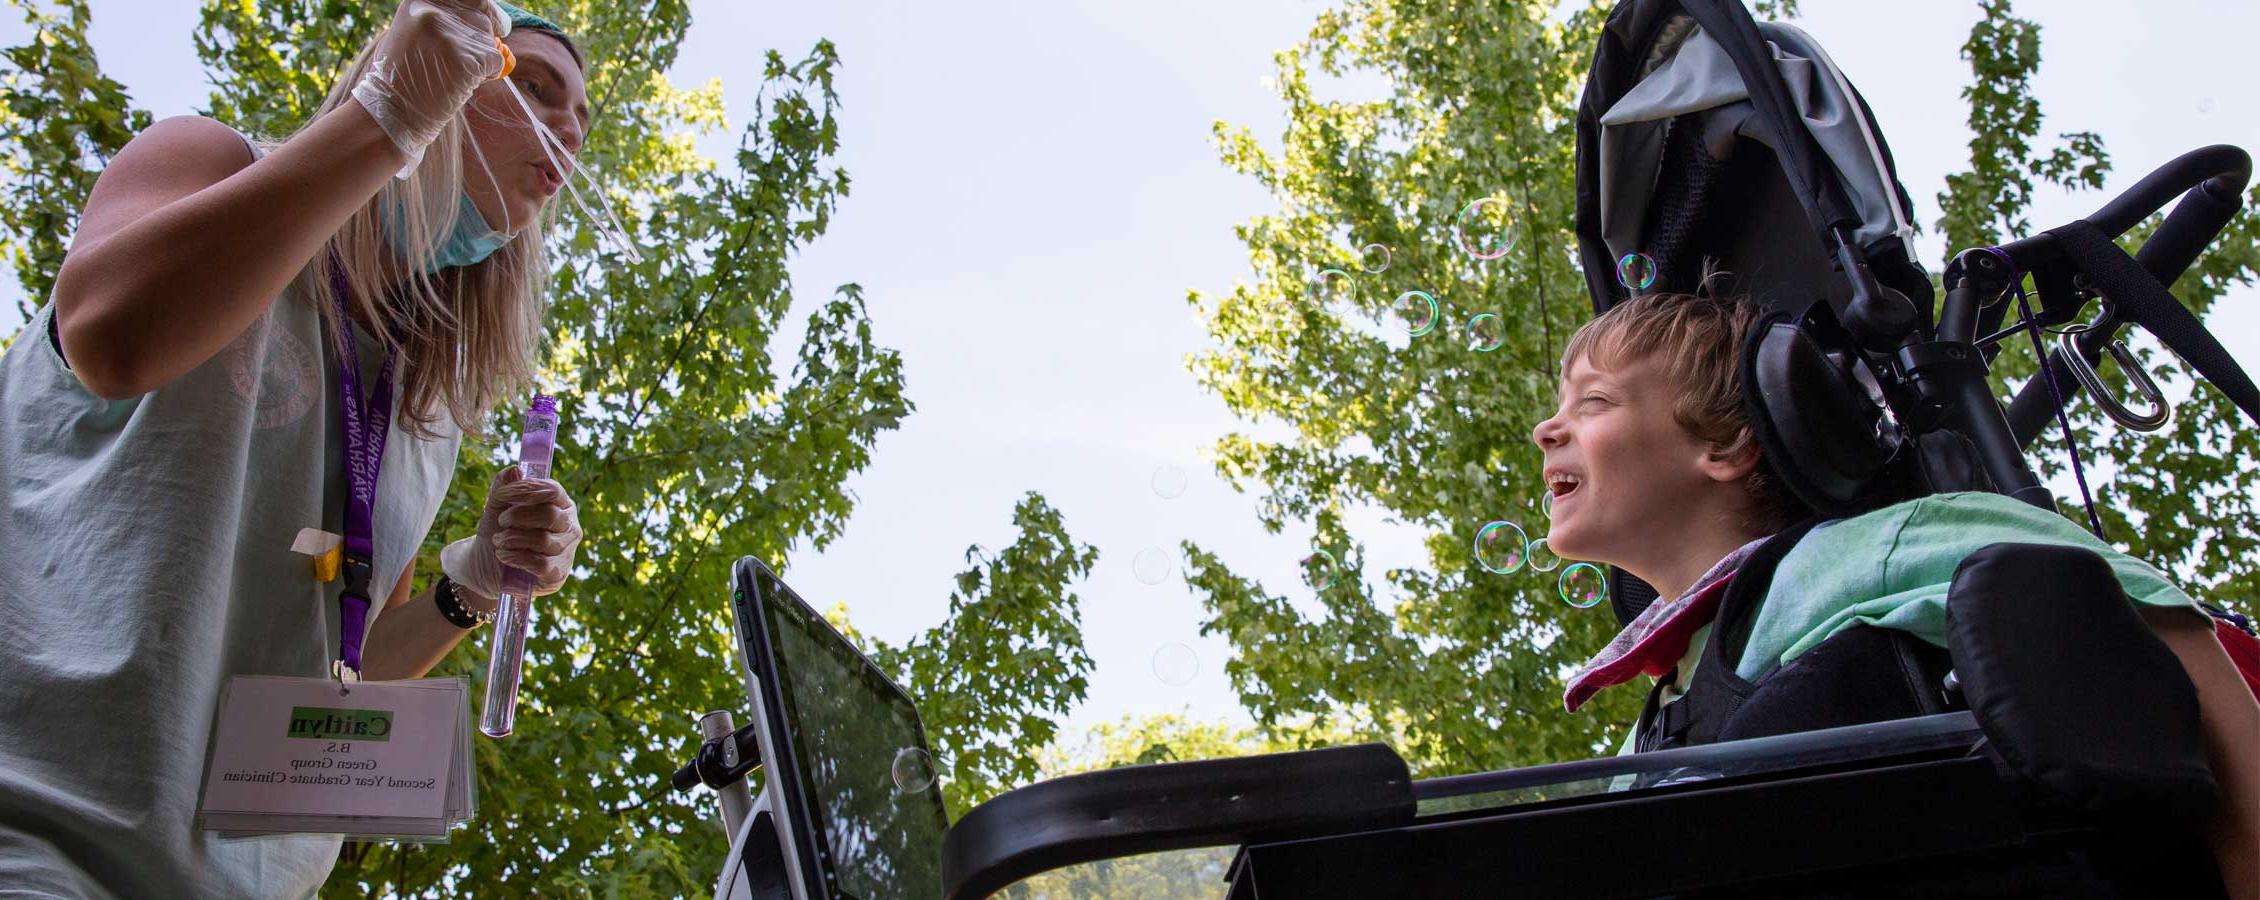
{"points": [[425, 66], [529, 524]]}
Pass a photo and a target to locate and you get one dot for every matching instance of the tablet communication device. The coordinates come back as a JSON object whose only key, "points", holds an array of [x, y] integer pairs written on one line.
{"points": [[861, 812]]}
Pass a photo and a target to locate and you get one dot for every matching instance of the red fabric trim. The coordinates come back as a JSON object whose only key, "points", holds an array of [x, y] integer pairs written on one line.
{"points": [[1655, 654], [2244, 650]]}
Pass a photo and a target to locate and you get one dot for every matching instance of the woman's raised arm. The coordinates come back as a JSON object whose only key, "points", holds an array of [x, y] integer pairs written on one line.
{"points": [[185, 241]]}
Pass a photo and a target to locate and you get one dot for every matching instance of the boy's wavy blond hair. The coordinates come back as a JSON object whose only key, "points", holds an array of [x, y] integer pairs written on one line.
{"points": [[1696, 338]]}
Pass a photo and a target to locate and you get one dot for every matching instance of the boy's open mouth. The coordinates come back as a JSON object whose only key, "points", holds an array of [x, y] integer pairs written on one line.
{"points": [[1562, 483]]}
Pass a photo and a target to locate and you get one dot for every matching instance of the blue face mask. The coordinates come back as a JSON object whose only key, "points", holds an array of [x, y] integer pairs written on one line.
{"points": [[470, 243]]}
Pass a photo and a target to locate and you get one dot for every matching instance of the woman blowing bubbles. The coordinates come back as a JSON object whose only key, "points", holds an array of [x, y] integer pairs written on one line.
{"points": [[178, 414]]}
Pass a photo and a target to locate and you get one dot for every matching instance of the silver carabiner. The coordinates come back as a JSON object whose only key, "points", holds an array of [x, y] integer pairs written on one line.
{"points": [[2104, 312], [2161, 410]]}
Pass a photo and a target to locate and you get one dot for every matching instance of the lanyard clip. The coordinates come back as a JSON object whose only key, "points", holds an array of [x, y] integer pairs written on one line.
{"points": [[357, 571], [344, 675], [353, 619]]}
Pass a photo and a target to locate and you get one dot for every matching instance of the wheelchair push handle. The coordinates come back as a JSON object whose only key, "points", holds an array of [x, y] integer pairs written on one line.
{"points": [[2216, 174], [2210, 182]]}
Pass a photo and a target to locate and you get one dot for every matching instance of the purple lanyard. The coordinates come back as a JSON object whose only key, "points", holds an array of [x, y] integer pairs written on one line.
{"points": [[365, 433]]}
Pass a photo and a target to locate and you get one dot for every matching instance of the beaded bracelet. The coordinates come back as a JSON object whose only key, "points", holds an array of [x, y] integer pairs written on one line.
{"points": [[451, 606]]}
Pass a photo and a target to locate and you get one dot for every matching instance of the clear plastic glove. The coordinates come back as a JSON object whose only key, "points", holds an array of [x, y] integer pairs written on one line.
{"points": [[425, 66], [529, 524]]}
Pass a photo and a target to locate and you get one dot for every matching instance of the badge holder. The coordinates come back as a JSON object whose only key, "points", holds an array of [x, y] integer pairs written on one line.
{"points": [[340, 755], [242, 799]]}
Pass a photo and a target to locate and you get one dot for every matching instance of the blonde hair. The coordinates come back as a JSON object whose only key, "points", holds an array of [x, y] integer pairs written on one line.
{"points": [[1697, 339], [466, 335]]}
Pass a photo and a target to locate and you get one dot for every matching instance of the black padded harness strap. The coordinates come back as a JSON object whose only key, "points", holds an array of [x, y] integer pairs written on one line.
{"points": [[1716, 691]]}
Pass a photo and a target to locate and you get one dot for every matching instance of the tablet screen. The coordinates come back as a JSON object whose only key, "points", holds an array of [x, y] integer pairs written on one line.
{"points": [[857, 743]]}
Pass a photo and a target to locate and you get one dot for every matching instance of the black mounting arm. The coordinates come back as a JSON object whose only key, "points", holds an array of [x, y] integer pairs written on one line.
{"points": [[721, 761], [1950, 374]]}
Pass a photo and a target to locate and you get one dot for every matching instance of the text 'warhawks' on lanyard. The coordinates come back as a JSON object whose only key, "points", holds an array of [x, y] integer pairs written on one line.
{"points": [[365, 433]]}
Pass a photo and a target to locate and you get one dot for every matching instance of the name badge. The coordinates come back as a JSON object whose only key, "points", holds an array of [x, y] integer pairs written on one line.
{"points": [[377, 758]]}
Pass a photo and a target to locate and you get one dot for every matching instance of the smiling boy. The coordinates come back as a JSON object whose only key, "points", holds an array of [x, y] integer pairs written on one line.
{"points": [[1654, 470]]}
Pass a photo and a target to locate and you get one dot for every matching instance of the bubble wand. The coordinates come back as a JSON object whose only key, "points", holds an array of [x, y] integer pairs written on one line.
{"points": [[514, 607]]}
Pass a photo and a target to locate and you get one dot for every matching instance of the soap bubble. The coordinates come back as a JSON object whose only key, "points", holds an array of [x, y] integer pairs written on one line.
{"points": [[1636, 272], [1318, 569], [1485, 229], [1542, 557], [1374, 259], [2205, 106], [1419, 311], [1583, 585], [1333, 287], [1152, 565], [1486, 332], [1176, 664], [913, 770], [1169, 482], [1500, 547], [1546, 504]]}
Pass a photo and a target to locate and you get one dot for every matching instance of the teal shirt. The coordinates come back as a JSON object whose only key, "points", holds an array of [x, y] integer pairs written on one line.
{"points": [[1891, 568]]}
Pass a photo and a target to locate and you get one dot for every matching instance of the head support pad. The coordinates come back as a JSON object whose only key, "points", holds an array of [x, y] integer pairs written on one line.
{"points": [[1821, 432]]}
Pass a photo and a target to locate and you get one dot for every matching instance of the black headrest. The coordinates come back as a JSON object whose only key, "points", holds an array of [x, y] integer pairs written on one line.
{"points": [[1628, 595], [1824, 436]]}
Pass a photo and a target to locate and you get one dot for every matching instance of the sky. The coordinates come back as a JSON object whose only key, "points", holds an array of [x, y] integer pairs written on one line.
{"points": [[1034, 277]]}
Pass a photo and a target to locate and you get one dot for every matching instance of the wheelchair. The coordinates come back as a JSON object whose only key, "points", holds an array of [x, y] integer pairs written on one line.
{"points": [[2052, 749]]}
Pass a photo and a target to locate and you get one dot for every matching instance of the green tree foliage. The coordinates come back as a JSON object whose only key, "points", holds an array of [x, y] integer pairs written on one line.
{"points": [[272, 63], [1981, 205], [60, 120], [991, 680], [1169, 737], [1458, 668], [688, 442]]}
